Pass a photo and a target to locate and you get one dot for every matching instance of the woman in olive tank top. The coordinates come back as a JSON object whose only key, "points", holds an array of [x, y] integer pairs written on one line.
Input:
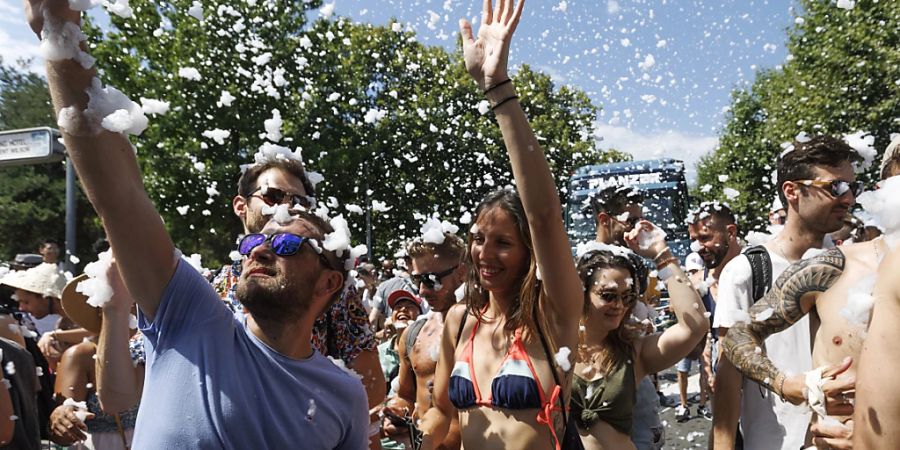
{"points": [[611, 358]]}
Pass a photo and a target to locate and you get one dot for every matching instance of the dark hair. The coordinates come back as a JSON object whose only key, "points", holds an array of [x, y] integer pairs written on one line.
{"points": [[614, 199], [335, 262], [531, 302], [797, 164], [720, 211], [621, 347], [247, 182], [453, 248]]}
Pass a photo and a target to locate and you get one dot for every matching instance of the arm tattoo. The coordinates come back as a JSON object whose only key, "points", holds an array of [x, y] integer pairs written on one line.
{"points": [[783, 307]]}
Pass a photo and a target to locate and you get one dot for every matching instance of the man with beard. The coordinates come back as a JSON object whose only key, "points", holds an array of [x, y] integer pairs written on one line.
{"points": [[832, 287], [817, 185], [213, 380], [342, 331], [616, 211], [438, 272], [713, 232]]}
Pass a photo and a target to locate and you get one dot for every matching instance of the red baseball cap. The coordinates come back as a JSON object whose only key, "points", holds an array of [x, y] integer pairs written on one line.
{"points": [[402, 294]]}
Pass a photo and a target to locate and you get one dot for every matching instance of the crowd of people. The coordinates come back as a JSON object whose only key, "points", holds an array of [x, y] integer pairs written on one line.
{"points": [[496, 337]]}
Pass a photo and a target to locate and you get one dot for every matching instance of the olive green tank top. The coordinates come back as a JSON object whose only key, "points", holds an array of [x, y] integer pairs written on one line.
{"points": [[610, 399]]}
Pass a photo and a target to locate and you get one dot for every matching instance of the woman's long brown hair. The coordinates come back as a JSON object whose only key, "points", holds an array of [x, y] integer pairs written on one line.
{"points": [[620, 347], [531, 294]]}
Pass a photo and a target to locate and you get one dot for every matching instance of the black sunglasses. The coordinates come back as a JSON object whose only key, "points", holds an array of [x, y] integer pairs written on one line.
{"points": [[430, 279], [274, 196], [283, 244], [627, 298], [837, 188]]}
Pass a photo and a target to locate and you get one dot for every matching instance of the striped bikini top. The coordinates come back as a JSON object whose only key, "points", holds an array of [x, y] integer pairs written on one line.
{"points": [[516, 385]]}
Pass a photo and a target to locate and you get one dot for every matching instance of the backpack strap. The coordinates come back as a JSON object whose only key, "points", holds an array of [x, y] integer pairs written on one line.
{"points": [[761, 268], [412, 333]]}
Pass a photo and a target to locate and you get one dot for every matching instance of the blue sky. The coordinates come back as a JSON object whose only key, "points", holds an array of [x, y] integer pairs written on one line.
{"points": [[662, 70]]}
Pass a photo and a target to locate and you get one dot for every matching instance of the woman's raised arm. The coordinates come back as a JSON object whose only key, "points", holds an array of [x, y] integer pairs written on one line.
{"points": [[486, 60]]}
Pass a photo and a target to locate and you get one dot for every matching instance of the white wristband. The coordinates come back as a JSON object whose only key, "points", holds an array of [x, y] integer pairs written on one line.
{"points": [[665, 273]]}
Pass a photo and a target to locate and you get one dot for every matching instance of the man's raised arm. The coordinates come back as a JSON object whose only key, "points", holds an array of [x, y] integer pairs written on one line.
{"points": [[105, 161], [785, 304]]}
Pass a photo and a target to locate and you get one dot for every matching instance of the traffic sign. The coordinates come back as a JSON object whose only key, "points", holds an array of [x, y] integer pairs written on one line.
{"points": [[30, 146]]}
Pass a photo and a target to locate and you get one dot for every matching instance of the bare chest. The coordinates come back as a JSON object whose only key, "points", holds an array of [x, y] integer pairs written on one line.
{"points": [[424, 353], [836, 337]]}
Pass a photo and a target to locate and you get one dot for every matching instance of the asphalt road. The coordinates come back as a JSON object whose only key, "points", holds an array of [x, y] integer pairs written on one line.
{"points": [[694, 433]]}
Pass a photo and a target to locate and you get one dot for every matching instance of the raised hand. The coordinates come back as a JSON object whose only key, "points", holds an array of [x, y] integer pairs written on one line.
{"points": [[121, 300], [35, 10], [646, 240], [487, 57]]}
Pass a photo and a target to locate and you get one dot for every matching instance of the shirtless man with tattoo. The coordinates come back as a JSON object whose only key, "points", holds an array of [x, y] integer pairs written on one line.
{"points": [[437, 271], [817, 186], [821, 287]]}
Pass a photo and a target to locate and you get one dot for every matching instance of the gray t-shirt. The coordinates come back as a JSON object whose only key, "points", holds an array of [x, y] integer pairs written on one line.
{"points": [[211, 383]]}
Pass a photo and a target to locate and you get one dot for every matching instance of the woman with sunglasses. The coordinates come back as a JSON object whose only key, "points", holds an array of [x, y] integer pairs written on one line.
{"points": [[613, 356], [496, 377]]}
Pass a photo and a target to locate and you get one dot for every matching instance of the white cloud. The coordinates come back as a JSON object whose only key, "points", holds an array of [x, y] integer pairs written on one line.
{"points": [[658, 144], [13, 48], [17, 41], [11, 7], [555, 75]]}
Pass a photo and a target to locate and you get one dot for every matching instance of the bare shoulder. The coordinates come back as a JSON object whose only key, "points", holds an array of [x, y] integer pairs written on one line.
{"points": [[888, 285], [455, 316], [80, 352]]}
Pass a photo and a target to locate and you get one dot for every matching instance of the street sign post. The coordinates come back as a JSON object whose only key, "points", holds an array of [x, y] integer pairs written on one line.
{"points": [[30, 146], [42, 146]]}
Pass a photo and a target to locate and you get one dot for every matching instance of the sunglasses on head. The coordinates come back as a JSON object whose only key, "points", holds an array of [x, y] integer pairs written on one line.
{"points": [[283, 244], [430, 279], [627, 298], [274, 196], [836, 188]]}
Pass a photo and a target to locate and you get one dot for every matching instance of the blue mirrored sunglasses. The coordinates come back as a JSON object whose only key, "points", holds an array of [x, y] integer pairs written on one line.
{"points": [[283, 244]]}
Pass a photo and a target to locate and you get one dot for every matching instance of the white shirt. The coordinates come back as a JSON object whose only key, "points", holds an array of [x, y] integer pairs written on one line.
{"points": [[767, 423]]}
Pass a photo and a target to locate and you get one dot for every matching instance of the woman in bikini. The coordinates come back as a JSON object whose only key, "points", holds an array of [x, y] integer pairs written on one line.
{"points": [[611, 358], [497, 379]]}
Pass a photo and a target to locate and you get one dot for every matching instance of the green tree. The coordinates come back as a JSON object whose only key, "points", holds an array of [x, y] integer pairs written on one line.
{"points": [[842, 76], [385, 118], [32, 197]]}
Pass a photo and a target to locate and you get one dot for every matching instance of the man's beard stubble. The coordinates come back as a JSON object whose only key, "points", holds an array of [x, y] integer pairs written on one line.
{"points": [[718, 256], [272, 304]]}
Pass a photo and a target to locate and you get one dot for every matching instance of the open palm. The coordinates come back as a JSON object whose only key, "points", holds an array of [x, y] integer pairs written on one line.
{"points": [[487, 57]]}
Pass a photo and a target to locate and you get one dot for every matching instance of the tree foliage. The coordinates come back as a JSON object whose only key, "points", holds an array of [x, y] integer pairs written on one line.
{"points": [[32, 197], [842, 76], [383, 117]]}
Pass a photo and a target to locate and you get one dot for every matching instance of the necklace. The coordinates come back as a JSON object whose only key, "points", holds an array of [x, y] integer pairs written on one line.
{"points": [[877, 255]]}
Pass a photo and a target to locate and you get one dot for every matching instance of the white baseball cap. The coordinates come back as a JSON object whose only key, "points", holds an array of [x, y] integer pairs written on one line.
{"points": [[693, 262], [45, 279]]}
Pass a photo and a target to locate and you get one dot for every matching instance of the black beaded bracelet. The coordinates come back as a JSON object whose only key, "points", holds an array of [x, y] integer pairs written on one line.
{"points": [[491, 88], [501, 102]]}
